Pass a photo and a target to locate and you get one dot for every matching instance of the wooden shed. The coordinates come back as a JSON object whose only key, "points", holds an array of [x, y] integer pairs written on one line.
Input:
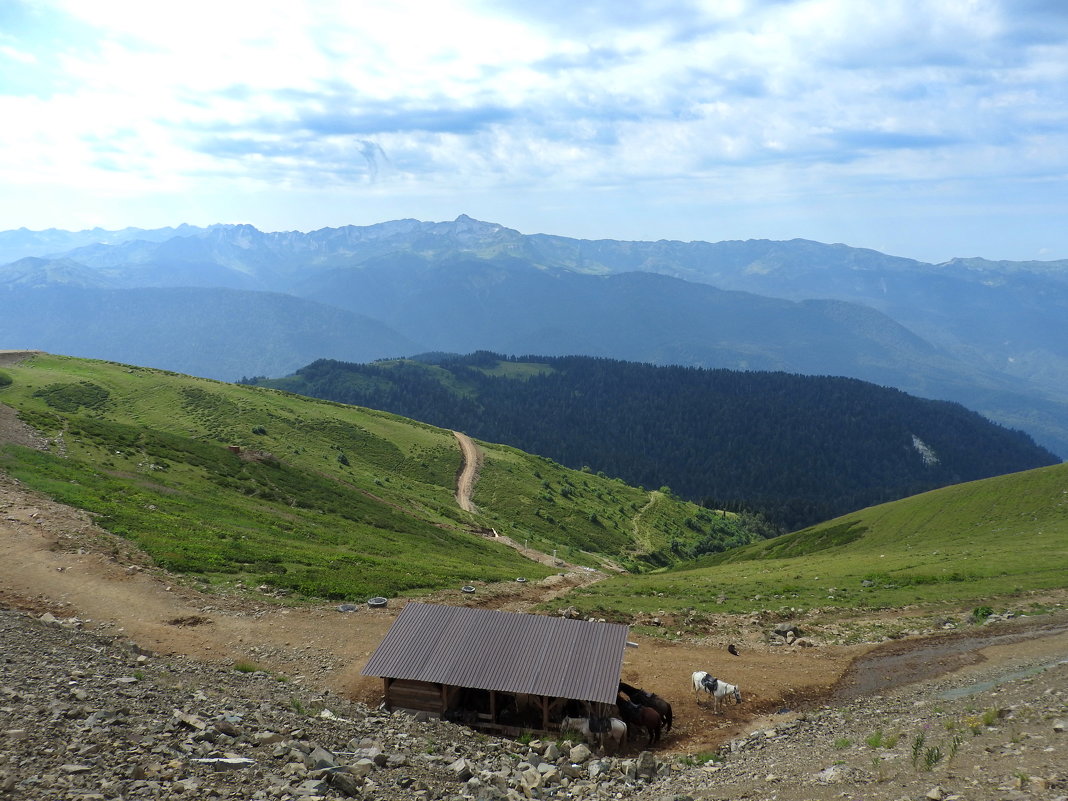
{"points": [[501, 671]]}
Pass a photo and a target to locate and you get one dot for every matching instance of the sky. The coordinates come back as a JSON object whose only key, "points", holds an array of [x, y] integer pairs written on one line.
{"points": [[930, 129]]}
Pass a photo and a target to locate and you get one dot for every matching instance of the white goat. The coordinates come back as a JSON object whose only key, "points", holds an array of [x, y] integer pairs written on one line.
{"points": [[703, 682]]}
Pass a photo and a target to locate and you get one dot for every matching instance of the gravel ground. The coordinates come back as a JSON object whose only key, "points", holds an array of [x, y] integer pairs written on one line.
{"points": [[997, 732], [89, 716]]}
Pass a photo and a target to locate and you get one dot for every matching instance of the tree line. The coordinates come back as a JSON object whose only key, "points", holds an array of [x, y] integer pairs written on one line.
{"points": [[796, 449]]}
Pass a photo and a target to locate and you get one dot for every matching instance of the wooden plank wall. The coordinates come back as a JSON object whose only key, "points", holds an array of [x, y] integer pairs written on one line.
{"points": [[418, 695]]}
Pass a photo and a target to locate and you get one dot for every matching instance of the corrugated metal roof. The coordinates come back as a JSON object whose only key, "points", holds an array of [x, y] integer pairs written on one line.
{"points": [[492, 650]]}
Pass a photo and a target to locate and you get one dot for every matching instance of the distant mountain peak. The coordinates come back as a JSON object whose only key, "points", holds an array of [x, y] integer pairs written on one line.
{"points": [[464, 223]]}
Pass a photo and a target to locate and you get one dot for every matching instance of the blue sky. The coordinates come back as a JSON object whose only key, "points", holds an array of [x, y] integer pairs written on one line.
{"points": [[927, 129]]}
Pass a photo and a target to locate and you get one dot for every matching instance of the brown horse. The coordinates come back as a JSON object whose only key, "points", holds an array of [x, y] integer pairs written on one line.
{"points": [[643, 698], [638, 716]]}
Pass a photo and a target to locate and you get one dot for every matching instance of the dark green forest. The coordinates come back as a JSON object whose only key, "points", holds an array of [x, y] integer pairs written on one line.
{"points": [[796, 449]]}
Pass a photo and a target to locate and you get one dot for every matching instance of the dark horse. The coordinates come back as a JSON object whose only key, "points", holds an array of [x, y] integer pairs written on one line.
{"points": [[648, 699], [640, 716]]}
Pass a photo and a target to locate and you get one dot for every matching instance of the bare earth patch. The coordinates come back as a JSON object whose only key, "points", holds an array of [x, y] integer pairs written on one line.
{"points": [[56, 560]]}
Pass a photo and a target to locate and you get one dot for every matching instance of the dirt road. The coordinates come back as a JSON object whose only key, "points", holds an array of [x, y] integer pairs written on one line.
{"points": [[57, 561], [468, 475]]}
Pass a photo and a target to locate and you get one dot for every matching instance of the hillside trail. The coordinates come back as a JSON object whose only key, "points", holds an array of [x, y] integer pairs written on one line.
{"points": [[16, 356], [467, 476], [57, 561]]}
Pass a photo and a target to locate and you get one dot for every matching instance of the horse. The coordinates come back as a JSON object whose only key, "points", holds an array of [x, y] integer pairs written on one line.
{"points": [[640, 716], [615, 732], [640, 696], [703, 682]]}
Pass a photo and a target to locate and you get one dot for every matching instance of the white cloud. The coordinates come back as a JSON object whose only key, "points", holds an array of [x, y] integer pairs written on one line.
{"points": [[771, 103]]}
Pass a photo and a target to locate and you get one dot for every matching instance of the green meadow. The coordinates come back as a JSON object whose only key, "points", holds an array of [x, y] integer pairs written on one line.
{"points": [[992, 543], [232, 483], [229, 483]]}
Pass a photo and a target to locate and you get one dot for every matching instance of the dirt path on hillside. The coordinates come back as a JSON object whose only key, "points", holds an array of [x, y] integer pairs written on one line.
{"points": [[467, 476], [57, 561], [16, 356]]}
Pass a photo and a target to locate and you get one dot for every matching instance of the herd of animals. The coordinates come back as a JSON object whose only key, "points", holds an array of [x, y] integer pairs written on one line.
{"points": [[644, 711]]}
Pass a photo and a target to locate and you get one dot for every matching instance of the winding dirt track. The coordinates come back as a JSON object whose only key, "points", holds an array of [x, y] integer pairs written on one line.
{"points": [[57, 561], [467, 476]]}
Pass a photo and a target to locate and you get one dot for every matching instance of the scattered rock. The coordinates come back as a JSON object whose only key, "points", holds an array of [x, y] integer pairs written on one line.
{"points": [[579, 753], [74, 726]]}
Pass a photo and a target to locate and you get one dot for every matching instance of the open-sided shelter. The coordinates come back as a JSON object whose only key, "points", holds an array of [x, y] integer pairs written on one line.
{"points": [[493, 669]]}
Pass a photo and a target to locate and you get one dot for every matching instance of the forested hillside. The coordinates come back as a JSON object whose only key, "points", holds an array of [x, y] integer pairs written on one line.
{"points": [[235, 484], [799, 449]]}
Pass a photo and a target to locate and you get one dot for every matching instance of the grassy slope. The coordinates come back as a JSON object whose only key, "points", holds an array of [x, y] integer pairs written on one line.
{"points": [[974, 544], [349, 503]]}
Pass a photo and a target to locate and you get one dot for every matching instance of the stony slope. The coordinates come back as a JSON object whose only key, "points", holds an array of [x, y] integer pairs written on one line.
{"points": [[87, 712], [91, 717]]}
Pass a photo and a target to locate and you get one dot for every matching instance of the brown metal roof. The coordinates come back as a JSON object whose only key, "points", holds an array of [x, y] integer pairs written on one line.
{"points": [[492, 650]]}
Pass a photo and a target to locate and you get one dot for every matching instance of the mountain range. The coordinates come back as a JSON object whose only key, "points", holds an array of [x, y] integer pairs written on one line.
{"points": [[228, 301]]}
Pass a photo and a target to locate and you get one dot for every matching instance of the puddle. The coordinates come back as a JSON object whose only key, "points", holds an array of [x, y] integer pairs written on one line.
{"points": [[983, 686], [900, 662]]}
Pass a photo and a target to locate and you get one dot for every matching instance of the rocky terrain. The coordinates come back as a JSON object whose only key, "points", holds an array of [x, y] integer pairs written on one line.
{"points": [[994, 732], [119, 681], [90, 716]]}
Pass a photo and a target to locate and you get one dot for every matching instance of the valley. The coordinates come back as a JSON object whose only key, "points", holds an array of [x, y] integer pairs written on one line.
{"points": [[800, 730], [870, 660], [56, 561], [229, 300]]}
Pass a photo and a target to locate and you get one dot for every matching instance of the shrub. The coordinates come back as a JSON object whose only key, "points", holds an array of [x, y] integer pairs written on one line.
{"points": [[981, 613], [72, 397], [931, 757], [917, 747]]}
